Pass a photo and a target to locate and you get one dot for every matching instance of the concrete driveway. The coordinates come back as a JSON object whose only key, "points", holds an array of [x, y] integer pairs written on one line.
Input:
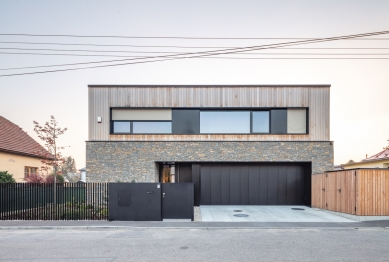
{"points": [[267, 214]]}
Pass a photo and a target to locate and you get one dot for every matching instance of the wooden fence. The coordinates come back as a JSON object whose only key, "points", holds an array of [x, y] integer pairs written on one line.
{"points": [[362, 192]]}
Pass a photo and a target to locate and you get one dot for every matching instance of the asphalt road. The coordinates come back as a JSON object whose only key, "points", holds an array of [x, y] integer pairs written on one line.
{"points": [[159, 244]]}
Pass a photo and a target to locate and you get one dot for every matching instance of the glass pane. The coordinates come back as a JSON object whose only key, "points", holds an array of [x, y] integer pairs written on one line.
{"points": [[261, 122], [121, 127], [228, 122], [152, 127]]}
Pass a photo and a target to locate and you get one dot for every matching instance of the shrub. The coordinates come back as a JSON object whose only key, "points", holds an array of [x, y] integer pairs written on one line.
{"points": [[40, 178], [5, 177]]}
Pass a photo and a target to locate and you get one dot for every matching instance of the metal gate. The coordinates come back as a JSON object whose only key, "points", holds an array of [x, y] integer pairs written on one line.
{"points": [[150, 201], [177, 201]]}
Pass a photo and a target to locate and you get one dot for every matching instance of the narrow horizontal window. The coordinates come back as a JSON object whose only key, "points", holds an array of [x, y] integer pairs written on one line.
{"points": [[227, 122], [297, 121], [152, 127], [121, 127], [261, 121], [141, 114]]}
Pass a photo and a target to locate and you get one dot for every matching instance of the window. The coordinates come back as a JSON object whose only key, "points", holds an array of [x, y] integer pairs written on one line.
{"points": [[141, 121], [209, 121], [297, 121], [28, 171], [225, 122], [121, 127], [260, 121], [152, 127]]}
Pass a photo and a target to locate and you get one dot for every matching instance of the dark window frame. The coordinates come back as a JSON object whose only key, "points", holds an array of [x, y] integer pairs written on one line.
{"points": [[224, 109]]}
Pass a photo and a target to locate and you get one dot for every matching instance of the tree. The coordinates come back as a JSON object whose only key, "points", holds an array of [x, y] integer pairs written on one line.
{"points": [[49, 133], [6, 177], [53, 158], [69, 165]]}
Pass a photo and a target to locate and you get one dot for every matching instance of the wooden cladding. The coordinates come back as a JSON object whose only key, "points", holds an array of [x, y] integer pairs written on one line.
{"points": [[363, 192], [316, 99]]}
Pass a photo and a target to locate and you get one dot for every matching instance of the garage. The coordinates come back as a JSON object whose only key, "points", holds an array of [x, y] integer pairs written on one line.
{"points": [[255, 184]]}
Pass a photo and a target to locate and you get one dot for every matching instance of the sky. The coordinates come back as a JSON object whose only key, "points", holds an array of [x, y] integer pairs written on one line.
{"points": [[359, 88]]}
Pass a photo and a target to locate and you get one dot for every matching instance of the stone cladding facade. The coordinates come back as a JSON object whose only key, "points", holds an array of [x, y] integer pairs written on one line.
{"points": [[128, 160]]}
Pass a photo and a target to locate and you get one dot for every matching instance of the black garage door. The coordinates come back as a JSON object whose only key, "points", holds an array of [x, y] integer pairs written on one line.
{"points": [[255, 184]]}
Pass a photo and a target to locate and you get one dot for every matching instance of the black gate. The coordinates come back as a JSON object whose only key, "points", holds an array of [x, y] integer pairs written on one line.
{"points": [[177, 201], [145, 201], [135, 201]]}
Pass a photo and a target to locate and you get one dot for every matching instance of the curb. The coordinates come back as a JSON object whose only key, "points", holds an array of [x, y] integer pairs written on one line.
{"points": [[137, 227]]}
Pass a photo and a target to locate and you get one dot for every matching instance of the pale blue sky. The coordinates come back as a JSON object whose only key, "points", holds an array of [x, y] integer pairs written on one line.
{"points": [[359, 93]]}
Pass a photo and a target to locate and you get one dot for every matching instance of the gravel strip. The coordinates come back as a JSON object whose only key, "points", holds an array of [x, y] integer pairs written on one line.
{"points": [[197, 214]]}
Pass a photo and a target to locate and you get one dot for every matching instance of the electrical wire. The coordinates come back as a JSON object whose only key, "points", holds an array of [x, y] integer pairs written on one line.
{"points": [[238, 58], [168, 46], [212, 53], [158, 52], [177, 37]]}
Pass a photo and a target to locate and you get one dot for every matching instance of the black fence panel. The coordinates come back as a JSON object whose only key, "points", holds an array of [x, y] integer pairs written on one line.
{"points": [[69, 201], [135, 201]]}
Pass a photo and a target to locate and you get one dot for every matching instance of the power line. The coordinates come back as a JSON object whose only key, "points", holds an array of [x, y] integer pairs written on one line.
{"points": [[238, 58], [175, 46], [178, 37], [211, 53], [148, 52]]}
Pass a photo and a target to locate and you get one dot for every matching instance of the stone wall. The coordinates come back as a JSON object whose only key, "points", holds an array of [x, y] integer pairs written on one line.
{"points": [[127, 161]]}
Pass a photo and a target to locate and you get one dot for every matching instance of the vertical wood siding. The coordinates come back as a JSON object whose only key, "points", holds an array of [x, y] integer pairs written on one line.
{"points": [[373, 192], [101, 99], [363, 192], [318, 194]]}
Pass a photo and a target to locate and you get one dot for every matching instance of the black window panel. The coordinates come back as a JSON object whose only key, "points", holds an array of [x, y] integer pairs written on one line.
{"points": [[278, 121], [185, 121]]}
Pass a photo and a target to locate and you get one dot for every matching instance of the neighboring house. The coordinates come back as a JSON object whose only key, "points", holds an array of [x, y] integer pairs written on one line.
{"points": [[379, 160], [18, 151], [252, 144]]}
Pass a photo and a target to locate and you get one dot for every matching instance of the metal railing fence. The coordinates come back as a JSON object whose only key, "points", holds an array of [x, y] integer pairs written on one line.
{"points": [[73, 201]]}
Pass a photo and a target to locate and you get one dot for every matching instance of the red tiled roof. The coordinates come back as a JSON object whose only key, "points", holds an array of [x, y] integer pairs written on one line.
{"points": [[14, 140], [380, 155]]}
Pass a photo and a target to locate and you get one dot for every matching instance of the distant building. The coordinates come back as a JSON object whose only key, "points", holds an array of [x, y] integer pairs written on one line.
{"points": [[379, 160], [18, 151]]}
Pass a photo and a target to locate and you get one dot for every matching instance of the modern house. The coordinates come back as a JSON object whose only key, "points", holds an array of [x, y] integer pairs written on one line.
{"points": [[20, 154], [239, 145], [379, 160]]}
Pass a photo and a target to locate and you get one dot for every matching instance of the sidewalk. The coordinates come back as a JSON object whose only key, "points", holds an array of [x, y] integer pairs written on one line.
{"points": [[109, 225]]}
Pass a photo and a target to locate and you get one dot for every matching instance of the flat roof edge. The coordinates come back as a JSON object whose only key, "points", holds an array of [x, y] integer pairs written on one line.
{"points": [[286, 85]]}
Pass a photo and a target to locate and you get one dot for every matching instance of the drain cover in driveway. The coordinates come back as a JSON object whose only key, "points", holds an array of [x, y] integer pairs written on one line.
{"points": [[295, 208], [237, 210], [241, 215]]}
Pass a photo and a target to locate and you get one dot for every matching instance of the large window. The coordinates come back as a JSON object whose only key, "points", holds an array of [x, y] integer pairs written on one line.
{"points": [[209, 121], [225, 122]]}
